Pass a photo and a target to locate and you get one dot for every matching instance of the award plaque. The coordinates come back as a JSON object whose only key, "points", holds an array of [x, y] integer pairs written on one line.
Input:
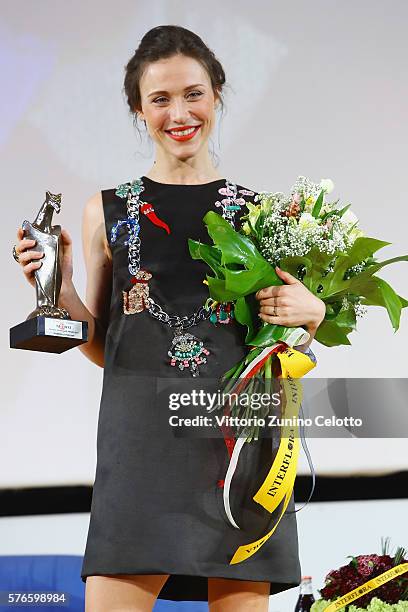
{"points": [[48, 328]]}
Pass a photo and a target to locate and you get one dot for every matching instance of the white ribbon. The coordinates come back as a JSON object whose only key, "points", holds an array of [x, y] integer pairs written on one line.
{"points": [[240, 442]]}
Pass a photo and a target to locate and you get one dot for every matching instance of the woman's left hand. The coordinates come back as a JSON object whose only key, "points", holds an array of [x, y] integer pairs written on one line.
{"points": [[295, 304]]}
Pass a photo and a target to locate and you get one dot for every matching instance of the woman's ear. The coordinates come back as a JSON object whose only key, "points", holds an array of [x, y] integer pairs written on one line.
{"points": [[138, 113]]}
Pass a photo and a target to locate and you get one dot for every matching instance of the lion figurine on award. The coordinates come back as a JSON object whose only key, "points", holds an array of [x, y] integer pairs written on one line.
{"points": [[48, 328]]}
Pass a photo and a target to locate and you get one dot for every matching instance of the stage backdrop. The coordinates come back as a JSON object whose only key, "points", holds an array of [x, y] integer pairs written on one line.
{"points": [[315, 88]]}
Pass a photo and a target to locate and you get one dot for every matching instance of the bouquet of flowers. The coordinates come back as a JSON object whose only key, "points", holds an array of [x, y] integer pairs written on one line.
{"points": [[320, 245], [317, 242], [392, 596]]}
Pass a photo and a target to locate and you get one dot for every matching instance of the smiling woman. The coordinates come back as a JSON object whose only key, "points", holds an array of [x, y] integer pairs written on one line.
{"points": [[158, 526], [184, 113], [175, 86]]}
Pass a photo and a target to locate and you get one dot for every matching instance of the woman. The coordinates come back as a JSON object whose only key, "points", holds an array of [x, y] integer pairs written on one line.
{"points": [[157, 526]]}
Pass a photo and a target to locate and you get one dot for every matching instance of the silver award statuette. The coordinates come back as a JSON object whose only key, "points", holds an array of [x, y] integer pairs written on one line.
{"points": [[48, 328]]}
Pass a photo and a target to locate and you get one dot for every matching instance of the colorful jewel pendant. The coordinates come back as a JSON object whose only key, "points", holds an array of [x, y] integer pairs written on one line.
{"points": [[187, 351], [222, 313]]}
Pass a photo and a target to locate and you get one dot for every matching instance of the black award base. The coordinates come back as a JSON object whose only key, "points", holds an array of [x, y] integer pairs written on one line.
{"points": [[48, 334]]}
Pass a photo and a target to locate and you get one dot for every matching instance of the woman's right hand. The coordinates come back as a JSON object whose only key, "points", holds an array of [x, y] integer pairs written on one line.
{"points": [[30, 260]]}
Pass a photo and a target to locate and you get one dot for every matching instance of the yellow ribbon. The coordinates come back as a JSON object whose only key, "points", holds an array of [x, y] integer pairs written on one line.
{"points": [[367, 587], [278, 484]]}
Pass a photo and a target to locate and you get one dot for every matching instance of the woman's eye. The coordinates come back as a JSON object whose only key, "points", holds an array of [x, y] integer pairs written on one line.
{"points": [[163, 98]]}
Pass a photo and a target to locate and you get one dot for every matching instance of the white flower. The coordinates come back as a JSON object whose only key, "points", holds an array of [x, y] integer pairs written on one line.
{"points": [[349, 218], [306, 221], [327, 185]]}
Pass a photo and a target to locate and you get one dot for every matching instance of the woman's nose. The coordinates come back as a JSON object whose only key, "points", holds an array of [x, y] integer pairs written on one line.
{"points": [[179, 111]]}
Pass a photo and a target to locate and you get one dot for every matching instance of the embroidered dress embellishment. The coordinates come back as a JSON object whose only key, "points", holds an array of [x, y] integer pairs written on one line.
{"points": [[136, 299], [232, 202], [132, 226], [187, 351], [223, 312], [148, 210]]}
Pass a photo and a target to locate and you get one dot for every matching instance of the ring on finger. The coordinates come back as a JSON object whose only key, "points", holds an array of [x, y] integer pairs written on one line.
{"points": [[275, 313]]}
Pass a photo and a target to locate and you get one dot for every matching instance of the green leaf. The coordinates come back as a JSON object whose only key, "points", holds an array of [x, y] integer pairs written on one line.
{"points": [[382, 294], [235, 247], [318, 204], [361, 283], [344, 289], [234, 371], [334, 330], [268, 335], [341, 212], [378, 265], [362, 248], [244, 315], [404, 302], [346, 318], [210, 254], [331, 213], [218, 291], [244, 282], [315, 262], [331, 334], [291, 264], [335, 286], [332, 310]]}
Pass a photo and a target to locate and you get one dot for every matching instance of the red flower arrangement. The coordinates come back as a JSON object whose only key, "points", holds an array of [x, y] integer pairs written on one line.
{"points": [[363, 568]]}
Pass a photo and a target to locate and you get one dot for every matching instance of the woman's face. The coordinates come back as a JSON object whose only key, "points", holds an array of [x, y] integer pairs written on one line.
{"points": [[177, 96]]}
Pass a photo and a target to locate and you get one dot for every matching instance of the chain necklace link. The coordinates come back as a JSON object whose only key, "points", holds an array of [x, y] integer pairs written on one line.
{"points": [[184, 322]]}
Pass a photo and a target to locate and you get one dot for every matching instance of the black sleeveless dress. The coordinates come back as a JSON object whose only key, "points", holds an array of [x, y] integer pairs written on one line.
{"points": [[157, 504]]}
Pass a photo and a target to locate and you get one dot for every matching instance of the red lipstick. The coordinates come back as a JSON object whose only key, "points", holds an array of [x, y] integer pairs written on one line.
{"points": [[182, 129]]}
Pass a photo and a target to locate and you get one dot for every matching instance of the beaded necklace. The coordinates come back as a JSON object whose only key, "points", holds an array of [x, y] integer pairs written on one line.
{"points": [[186, 350]]}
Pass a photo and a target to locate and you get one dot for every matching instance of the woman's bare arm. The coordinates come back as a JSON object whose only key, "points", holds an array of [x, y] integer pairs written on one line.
{"points": [[98, 263]]}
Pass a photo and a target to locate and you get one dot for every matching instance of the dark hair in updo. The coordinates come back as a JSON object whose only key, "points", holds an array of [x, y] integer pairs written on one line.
{"points": [[163, 42]]}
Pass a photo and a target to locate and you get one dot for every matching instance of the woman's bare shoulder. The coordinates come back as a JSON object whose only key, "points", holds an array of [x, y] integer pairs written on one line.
{"points": [[94, 224], [93, 210]]}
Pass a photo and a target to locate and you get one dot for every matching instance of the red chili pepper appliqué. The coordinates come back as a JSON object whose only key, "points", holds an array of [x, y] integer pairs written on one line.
{"points": [[148, 210]]}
